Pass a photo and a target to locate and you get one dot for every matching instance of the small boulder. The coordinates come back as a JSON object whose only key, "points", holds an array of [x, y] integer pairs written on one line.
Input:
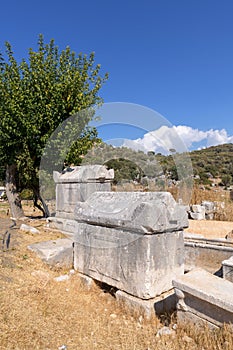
{"points": [[28, 228]]}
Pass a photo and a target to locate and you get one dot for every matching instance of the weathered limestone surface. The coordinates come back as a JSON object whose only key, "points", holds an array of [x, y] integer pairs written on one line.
{"points": [[144, 268], [57, 253], [143, 212], [77, 184], [132, 241], [227, 267], [164, 303], [203, 297], [197, 212]]}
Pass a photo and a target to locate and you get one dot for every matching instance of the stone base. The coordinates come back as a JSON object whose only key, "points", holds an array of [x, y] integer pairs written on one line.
{"points": [[185, 317], [163, 304]]}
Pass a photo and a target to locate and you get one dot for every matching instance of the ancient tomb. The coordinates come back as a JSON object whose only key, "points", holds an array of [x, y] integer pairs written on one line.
{"points": [[130, 240]]}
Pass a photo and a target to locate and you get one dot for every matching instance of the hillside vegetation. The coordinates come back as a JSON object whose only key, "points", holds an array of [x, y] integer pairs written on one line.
{"points": [[213, 162]]}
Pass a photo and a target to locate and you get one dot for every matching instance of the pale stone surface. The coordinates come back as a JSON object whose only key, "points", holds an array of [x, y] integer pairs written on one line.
{"points": [[56, 253], [131, 240], [77, 184], [209, 206], [84, 174], [145, 267], [143, 212], [67, 226], [196, 208], [227, 267], [197, 212], [28, 228], [204, 296], [164, 303]]}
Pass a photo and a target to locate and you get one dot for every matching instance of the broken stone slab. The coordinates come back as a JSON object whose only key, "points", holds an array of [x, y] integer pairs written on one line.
{"points": [[27, 228], [77, 184], [209, 206], [143, 212], [197, 216], [203, 298], [227, 268], [57, 253], [196, 208]]}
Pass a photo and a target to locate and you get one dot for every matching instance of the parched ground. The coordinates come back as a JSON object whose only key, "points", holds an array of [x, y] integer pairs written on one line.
{"points": [[39, 313], [210, 228]]}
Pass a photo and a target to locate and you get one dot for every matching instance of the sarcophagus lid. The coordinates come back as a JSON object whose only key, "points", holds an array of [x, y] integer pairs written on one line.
{"points": [[142, 212]]}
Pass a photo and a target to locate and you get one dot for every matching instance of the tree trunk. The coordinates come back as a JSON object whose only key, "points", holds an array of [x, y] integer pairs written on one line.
{"points": [[44, 208], [12, 193]]}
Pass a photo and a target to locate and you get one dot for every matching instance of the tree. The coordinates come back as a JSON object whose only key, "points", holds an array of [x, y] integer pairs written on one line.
{"points": [[36, 96]]}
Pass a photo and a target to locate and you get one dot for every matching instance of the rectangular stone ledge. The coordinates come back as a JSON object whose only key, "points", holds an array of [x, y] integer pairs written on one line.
{"points": [[203, 296]]}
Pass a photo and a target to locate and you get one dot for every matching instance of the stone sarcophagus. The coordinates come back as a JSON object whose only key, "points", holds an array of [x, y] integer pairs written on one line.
{"points": [[76, 184], [130, 240]]}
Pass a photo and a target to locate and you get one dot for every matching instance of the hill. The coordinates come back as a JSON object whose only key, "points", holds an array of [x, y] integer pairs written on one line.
{"points": [[214, 162]]}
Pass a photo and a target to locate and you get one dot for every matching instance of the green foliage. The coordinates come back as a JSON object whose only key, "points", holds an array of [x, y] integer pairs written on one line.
{"points": [[124, 169], [227, 180], [79, 148], [36, 96], [216, 161], [26, 194]]}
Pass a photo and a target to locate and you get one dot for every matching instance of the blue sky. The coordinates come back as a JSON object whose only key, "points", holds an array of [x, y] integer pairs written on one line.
{"points": [[175, 57]]}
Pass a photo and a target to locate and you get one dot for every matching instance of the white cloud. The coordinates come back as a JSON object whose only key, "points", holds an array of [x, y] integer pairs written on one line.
{"points": [[181, 138]]}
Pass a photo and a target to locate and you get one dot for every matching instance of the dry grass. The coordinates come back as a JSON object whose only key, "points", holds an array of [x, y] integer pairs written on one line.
{"points": [[218, 195], [39, 313]]}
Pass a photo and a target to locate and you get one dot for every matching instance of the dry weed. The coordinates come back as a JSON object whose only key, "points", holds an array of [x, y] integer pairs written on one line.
{"points": [[39, 313]]}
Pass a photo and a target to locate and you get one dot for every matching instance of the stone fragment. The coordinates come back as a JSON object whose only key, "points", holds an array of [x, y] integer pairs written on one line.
{"points": [[209, 206], [197, 216], [86, 281], [165, 331], [27, 228], [62, 278], [57, 253]]}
